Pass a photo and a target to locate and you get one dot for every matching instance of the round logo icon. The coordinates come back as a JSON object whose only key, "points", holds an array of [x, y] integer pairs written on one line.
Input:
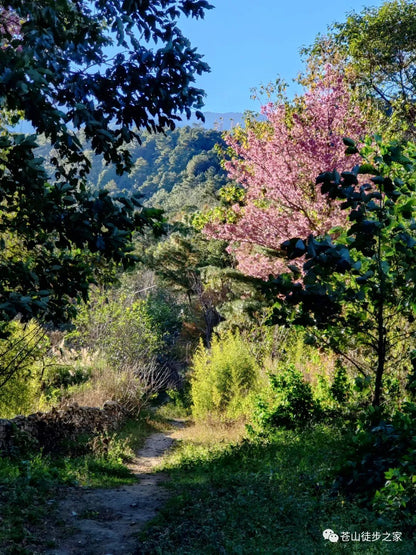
{"points": [[330, 535]]}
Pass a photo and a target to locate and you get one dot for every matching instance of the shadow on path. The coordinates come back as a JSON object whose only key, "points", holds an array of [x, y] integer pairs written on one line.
{"points": [[106, 521]]}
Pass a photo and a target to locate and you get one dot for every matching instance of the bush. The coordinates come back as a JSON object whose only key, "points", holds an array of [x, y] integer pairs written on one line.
{"points": [[128, 335], [132, 336], [57, 380], [165, 314], [20, 383], [381, 468], [179, 403], [224, 378], [131, 387], [120, 327], [340, 389], [288, 403]]}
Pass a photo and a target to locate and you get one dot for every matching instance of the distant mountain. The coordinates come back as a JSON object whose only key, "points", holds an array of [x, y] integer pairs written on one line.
{"points": [[217, 121], [179, 172], [213, 120]]}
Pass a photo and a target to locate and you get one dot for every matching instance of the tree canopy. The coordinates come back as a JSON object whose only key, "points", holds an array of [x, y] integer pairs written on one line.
{"points": [[358, 287], [379, 47], [178, 170], [275, 162], [59, 74]]}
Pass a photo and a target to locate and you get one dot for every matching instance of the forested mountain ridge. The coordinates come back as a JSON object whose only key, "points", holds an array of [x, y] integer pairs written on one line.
{"points": [[178, 172], [219, 121]]}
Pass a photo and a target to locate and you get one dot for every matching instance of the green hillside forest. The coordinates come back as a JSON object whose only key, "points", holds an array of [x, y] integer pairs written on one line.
{"points": [[179, 171], [247, 297]]}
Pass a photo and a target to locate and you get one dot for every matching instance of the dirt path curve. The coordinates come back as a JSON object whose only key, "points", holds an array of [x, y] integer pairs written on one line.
{"points": [[106, 521]]}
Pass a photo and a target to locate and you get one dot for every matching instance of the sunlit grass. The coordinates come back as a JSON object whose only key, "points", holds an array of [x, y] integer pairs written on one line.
{"points": [[260, 496]]}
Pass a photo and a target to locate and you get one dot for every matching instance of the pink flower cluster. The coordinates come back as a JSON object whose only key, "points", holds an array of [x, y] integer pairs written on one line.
{"points": [[9, 26], [278, 168]]}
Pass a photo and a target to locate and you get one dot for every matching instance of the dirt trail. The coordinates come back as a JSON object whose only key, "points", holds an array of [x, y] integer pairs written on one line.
{"points": [[106, 521]]}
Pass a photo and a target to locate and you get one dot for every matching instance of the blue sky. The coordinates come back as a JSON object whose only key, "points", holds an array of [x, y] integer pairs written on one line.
{"points": [[248, 43]]}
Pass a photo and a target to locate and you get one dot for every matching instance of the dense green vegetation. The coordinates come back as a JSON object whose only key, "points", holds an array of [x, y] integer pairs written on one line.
{"points": [[179, 171], [378, 44], [57, 238], [269, 305]]}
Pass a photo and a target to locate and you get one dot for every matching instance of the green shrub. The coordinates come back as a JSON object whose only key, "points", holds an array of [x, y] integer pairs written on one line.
{"points": [[179, 403], [381, 467], [19, 395], [224, 377], [58, 379], [131, 335], [126, 326], [165, 314], [20, 353], [397, 497], [340, 388], [128, 335], [288, 403], [120, 327]]}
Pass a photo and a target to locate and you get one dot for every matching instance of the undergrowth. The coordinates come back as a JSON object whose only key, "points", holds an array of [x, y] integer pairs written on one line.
{"points": [[263, 496]]}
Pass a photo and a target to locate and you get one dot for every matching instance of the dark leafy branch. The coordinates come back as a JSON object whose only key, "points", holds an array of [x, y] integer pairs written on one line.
{"points": [[56, 237]]}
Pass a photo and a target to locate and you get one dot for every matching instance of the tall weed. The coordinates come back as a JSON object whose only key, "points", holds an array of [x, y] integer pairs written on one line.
{"points": [[224, 378]]}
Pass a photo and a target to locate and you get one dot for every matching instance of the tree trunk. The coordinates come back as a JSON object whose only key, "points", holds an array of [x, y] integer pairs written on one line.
{"points": [[381, 329], [381, 353]]}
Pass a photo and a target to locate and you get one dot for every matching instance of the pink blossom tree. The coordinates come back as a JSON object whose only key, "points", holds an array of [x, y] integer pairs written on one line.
{"points": [[277, 162]]}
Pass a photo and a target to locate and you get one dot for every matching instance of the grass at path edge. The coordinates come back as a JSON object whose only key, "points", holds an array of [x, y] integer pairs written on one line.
{"points": [[261, 496], [31, 482]]}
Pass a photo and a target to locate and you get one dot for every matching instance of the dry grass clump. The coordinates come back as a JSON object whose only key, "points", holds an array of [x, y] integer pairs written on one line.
{"points": [[131, 387], [212, 431]]}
